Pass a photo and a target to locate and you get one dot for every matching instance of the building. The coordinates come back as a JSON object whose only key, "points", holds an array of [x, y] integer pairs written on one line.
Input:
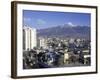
{"points": [[66, 56], [42, 42], [87, 56], [72, 40], [29, 38]]}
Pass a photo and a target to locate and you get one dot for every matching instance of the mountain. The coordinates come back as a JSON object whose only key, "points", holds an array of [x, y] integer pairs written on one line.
{"points": [[65, 31]]}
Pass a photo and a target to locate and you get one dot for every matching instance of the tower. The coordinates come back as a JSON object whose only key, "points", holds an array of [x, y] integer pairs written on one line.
{"points": [[29, 38]]}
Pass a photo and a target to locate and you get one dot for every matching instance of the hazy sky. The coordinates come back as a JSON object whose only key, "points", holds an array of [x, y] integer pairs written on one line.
{"points": [[45, 19]]}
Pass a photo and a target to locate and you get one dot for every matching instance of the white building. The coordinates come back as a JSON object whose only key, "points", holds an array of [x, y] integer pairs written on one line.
{"points": [[29, 38], [71, 40], [86, 56], [42, 42]]}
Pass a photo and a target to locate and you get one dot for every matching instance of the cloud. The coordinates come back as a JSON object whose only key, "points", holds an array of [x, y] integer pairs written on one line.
{"points": [[41, 22], [71, 24], [27, 19]]}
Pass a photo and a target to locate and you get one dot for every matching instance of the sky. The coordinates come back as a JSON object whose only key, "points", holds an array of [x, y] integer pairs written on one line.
{"points": [[46, 19]]}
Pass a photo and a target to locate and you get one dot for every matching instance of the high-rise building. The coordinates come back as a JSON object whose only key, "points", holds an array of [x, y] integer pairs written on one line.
{"points": [[42, 42], [29, 38]]}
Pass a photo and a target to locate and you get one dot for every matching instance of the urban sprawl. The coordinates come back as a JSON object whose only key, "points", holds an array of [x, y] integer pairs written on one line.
{"points": [[52, 52]]}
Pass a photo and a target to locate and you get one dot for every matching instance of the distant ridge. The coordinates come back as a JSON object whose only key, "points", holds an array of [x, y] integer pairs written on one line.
{"points": [[66, 31]]}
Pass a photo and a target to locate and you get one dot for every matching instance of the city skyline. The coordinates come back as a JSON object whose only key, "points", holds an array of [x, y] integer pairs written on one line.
{"points": [[47, 19], [51, 46]]}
